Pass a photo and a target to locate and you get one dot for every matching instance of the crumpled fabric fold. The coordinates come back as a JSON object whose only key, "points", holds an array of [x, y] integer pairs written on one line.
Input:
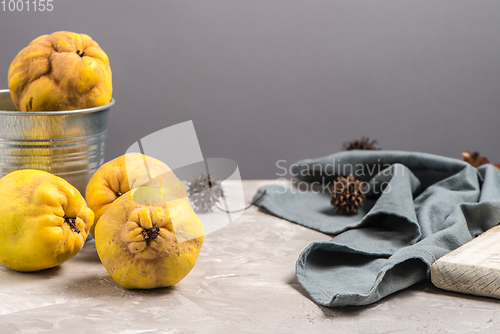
{"points": [[418, 207]]}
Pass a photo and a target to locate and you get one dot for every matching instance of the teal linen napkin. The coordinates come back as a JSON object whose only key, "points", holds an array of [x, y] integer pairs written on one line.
{"points": [[419, 207]]}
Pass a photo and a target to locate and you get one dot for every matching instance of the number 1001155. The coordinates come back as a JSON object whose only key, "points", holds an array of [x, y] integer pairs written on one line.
{"points": [[27, 5]]}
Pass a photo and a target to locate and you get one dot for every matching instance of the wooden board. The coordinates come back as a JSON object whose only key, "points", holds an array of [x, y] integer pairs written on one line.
{"points": [[473, 268]]}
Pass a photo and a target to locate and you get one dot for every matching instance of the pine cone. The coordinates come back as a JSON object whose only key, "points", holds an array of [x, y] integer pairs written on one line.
{"points": [[361, 144], [475, 159], [204, 191], [347, 194]]}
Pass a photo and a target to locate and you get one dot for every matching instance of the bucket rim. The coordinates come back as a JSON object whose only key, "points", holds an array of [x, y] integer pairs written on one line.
{"points": [[53, 113]]}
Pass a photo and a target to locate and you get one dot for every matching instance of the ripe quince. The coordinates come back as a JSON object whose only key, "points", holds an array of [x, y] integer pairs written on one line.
{"points": [[145, 242], [61, 71], [129, 171], [44, 220]]}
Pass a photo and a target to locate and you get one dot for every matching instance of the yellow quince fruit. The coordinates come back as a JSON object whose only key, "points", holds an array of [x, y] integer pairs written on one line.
{"points": [[129, 171], [44, 220], [145, 242], [61, 71]]}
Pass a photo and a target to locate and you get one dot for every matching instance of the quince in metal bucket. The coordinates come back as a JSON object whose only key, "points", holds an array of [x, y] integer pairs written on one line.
{"points": [[44, 220], [145, 242], [61, 71]]}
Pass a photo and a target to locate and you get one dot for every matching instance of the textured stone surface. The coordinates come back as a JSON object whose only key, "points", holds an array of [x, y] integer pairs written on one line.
{"points": [[244, 282]]}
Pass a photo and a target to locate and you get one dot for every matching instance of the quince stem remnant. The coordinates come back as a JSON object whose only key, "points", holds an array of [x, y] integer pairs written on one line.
{"points": [[72, 224], [150, 233]]}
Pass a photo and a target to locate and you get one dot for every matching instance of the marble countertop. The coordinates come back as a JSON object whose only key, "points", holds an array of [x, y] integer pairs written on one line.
{"points": [[244, 282]]}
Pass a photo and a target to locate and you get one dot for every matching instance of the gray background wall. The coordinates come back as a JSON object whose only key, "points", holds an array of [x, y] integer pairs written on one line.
{"points": [[267, 80]]}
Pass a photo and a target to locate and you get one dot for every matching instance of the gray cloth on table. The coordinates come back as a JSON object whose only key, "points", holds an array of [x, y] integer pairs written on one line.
{"points": [[419, 207]]}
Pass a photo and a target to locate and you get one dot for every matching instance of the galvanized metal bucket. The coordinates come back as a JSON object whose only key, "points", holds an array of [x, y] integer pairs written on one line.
{"points": [[69, 144]]}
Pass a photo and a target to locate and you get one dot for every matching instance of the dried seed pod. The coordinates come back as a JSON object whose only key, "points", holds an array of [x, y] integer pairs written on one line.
{"points": [[361, 144], [475, 159], [204, 192], [348, 195]]}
